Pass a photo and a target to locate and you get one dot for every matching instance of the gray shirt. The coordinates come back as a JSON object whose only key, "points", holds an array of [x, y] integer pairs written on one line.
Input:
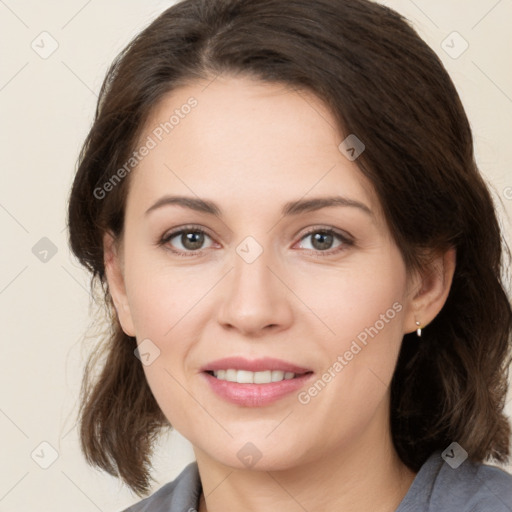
{"points": [[436, 488]]}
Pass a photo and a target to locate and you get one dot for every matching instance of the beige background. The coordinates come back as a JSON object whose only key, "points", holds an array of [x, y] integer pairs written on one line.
{"points": [[47, 106]]}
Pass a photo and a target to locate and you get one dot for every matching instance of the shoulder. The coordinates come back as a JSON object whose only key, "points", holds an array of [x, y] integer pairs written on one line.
{"points": [[469, 487], [180, 495]]}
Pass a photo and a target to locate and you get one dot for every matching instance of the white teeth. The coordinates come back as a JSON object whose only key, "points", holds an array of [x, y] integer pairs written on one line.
{"points": [[262, 377], [246, 377], [230, 375], [277, 375]]}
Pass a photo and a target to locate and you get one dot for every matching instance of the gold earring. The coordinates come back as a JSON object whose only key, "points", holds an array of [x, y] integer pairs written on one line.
{"points": [[418, 330]]}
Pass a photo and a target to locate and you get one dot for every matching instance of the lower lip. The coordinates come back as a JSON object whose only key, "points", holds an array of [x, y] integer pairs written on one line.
{"points": [[255, 395]]}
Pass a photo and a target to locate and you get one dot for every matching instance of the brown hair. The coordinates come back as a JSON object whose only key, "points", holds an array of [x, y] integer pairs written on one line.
{"points": [[382, 83]]}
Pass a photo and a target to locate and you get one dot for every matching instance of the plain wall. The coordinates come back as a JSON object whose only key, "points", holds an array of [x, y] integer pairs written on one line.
{"points": [[47, 106]]}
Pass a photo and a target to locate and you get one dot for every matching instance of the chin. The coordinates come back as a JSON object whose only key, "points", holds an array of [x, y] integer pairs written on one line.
{"points": [[257, 456]]}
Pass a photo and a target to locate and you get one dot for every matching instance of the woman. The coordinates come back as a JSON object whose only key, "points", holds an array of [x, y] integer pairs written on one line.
{"points": [[282, 203]]}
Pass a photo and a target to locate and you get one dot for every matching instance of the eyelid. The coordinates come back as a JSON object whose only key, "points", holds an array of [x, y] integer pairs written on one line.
{"points": [[186, 228], [344, 235]]}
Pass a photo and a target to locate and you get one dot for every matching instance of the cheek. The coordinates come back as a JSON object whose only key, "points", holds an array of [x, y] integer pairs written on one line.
{"points": [[165, 305], [349, 301], [160, 296], [362, 313]]}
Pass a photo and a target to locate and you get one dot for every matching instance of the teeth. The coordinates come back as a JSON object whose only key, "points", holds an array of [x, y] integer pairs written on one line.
{"points": [[246, 377]]}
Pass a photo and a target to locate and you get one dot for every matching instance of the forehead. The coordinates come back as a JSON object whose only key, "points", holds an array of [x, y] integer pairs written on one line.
{"points": [[241, 138]]}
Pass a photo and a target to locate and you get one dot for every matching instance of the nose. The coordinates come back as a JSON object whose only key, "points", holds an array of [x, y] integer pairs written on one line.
{"points": [[255, 297]]}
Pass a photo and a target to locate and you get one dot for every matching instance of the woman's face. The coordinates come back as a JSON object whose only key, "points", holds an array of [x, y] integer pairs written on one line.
{"points": [[262, 277]]}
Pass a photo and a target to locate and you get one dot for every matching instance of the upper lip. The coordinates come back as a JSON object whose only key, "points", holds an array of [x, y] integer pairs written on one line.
{"points": [[255, 365]]}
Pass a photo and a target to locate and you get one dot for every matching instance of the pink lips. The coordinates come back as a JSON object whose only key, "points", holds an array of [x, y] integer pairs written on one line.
{"points": [[255, 395], [258, 365]]}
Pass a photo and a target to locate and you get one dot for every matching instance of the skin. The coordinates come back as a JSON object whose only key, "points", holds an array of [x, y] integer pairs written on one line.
{"points": [[251, 147]]}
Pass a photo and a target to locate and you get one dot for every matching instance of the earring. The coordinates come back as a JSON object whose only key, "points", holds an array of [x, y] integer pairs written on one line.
{"points": [[418, 330]]}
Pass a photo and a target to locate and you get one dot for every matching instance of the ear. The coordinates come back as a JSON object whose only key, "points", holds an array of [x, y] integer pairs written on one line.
{"points": [[430, 290], [114, 271]]}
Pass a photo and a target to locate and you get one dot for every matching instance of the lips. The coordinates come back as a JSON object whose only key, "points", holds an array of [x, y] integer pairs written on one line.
{"points": [[255, 394], [257, 365]]}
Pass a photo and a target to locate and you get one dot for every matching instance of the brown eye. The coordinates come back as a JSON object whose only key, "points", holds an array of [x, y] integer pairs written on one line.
{"points": [[185, 240], [192, 240], [322, 240]]}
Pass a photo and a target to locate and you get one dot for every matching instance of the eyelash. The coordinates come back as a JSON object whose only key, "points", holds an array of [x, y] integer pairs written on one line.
{"points": [[347, 242]]}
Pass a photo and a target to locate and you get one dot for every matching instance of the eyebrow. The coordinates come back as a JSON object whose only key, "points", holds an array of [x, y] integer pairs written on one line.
{"points": [[291, 208]]}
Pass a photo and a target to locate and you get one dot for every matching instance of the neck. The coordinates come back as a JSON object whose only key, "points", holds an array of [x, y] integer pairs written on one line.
{"points": [[357, 477]]}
